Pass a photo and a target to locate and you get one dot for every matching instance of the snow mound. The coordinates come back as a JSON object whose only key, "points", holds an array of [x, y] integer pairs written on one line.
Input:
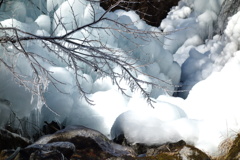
{"points": [[149, 125]]}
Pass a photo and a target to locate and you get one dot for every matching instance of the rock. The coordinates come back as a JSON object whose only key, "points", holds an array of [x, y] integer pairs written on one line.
{"points": [[78, 142], [47, 155], [152, 12], [9, 140], [168, 147], [10, 154], [50, 128], [178, 151], [121, 158], [65, 149], [192, 153], [169, 151], [90, 144]]}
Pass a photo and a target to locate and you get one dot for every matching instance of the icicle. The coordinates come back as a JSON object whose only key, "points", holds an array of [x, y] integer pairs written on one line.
{"points": [[32, 98]]}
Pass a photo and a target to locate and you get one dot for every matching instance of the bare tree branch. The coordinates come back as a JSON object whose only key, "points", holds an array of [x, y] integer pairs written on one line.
{"points": [[74, 51]]}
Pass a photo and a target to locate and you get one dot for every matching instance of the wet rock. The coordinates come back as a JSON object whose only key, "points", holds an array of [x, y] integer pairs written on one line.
{"points": [[88, 143], [51, 150], [9, 140], [10, 154], [50, 128], [47, 155], [122, 158], [176, 151], [78, 142]]}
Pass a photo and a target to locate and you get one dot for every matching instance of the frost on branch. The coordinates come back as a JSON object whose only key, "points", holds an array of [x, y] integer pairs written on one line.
{"points": [[73, 45]]}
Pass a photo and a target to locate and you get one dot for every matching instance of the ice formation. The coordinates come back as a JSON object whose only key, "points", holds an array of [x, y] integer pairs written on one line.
{"points": [[206, 63]]}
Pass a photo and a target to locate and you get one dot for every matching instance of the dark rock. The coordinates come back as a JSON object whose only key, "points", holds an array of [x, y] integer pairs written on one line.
{"points": [[78, 142], [120, 139], [47, 155], [9, 140], [51, 149], [150, 11], [50, 128], [13, 130], [138, 147], [10, 154], [88, 143], [122, 158]]}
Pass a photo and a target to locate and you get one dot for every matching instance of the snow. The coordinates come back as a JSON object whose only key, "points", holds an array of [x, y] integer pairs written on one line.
{"points": [[205, 64], [44, 22], [135, 125]]}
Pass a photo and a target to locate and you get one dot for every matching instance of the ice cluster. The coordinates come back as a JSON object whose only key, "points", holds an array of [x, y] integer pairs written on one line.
{"points": [[190, 55]]}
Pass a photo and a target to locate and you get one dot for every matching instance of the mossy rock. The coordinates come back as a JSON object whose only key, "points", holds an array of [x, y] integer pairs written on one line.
{"points": [[170, 151], [179, 153], [9, 140], [163, 156]]}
